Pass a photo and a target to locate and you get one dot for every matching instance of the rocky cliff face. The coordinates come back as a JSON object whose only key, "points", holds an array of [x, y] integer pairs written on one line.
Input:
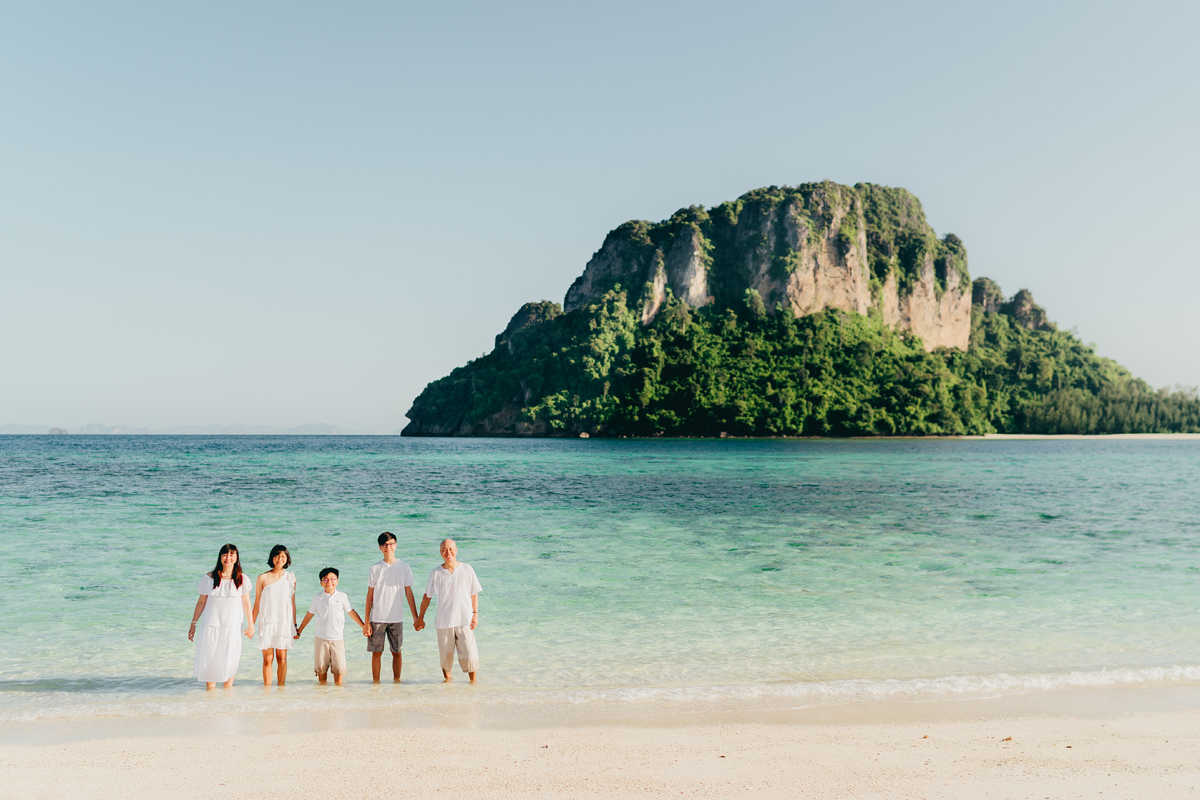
{"points": [[864, 249], [986, 294]]}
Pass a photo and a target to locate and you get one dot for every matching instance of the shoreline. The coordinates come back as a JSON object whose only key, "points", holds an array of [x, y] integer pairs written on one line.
{"points": [[224, 718], [1097, 743]]}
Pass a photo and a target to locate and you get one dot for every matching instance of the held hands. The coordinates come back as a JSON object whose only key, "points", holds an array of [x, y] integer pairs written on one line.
{"points": [[249, 632], [367, 629], [418, 624]]}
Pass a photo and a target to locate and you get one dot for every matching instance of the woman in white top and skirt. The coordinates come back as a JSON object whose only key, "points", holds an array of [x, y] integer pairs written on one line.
{"points": [[224, 603], [275, 613]]}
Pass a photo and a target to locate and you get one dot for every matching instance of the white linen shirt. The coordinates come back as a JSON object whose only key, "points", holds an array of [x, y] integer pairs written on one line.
{"points": [[388, 581], [329, 614], [453, 591]]}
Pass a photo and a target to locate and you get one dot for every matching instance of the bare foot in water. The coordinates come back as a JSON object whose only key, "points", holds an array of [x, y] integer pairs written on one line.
{"points": [[447, 676]]}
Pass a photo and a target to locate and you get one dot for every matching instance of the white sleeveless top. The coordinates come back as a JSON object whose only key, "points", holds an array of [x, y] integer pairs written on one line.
{"points": [[275, 614]]}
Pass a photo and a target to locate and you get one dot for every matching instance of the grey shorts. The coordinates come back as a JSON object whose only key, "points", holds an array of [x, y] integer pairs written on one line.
{"points": [[395, 636]]}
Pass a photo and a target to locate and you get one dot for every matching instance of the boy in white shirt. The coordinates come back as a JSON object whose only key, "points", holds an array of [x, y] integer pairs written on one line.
{"points": [[330, 608], [389, 584], [457, 591]]}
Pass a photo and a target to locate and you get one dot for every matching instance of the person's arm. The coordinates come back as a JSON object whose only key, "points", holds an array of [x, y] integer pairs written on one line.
{"points": [[258, 587], [300, 630], [249, 632], [294, 628], [196, 612], [367, 613], [474, 610], [354, 615], [412, 606], [424, 606]]}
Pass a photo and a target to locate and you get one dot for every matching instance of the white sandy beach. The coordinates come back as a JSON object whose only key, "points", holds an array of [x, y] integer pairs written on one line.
{"points": [[1142, 755]]}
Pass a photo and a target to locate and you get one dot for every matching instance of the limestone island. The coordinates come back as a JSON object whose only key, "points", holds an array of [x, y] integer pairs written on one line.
{"points": [[814, 310]]}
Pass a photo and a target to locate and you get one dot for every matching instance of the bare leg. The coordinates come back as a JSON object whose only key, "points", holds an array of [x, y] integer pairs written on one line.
{"points": [[337, 680], [446, 674], [321, 676], [210, 686], [472, 676], [229, 684], [397, 663], [281, 660], [268, 657], [376, 665]]}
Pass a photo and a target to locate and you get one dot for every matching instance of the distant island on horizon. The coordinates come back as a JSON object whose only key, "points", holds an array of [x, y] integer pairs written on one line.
{"points": [[815, 310], [99, 429]]}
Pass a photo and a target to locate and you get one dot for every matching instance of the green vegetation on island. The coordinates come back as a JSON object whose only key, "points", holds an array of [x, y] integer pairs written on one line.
{"points": [[733, 367]]}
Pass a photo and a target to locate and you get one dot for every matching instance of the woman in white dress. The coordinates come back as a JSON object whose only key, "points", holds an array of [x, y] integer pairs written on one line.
{"points": [[224, 602], [275, 613]]}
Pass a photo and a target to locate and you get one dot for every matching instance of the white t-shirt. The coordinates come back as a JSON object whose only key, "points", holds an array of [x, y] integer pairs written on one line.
{"points": [[329, 614], [388, 581], [453, 591]]}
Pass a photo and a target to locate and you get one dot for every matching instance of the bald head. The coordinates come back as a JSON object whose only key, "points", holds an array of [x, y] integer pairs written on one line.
{"points": [[449, 551]]}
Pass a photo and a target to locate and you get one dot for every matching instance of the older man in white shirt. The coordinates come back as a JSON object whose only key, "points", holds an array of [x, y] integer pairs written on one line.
{"points": [[457, 590]]}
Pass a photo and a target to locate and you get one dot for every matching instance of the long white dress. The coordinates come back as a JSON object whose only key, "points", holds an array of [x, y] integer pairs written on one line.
{"points": [[275, 616], [219, 633]]}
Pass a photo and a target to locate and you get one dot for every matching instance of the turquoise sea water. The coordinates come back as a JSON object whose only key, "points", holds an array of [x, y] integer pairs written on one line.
{"points": [[643, 575]]}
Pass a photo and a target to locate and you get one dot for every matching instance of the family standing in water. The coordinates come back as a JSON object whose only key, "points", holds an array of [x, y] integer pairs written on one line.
{"points": [[224, 605]]}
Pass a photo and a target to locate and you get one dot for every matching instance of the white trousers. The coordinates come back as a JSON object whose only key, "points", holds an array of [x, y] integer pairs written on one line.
{"points": [[461, 639]]}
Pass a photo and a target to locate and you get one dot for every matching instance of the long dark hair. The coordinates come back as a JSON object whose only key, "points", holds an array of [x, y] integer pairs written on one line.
{"points": [[276, 550], [237, 566]]}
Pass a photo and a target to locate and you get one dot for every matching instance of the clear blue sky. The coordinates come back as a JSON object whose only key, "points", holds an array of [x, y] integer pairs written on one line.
{"points": [[283, 213]]}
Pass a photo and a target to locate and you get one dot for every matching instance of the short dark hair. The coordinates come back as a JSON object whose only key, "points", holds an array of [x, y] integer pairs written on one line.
{"points": [[385, 537], [276, 550], [329, 571]]}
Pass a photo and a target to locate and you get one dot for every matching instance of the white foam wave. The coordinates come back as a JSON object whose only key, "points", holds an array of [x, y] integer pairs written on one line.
{"points": [[30, 706], [914, 688]]}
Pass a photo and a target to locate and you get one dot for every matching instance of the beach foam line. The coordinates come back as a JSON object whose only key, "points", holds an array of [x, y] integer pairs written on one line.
{"points": [[913, 688], [435, 698]]}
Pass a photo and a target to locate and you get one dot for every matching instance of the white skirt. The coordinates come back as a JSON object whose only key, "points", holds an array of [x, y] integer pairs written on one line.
{"points": [[218, 653], [275, 636]]}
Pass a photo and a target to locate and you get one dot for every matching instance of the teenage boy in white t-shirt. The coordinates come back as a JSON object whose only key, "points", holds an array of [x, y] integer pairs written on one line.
{"points": [[457, 591], [329, 607], [389, 584]]}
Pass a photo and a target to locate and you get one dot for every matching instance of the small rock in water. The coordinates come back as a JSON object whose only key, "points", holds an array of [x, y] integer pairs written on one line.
{"points": [[583, 435]]}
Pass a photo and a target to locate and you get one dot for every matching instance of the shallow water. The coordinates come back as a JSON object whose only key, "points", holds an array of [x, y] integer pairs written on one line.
{"points": [[667, 574]]}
